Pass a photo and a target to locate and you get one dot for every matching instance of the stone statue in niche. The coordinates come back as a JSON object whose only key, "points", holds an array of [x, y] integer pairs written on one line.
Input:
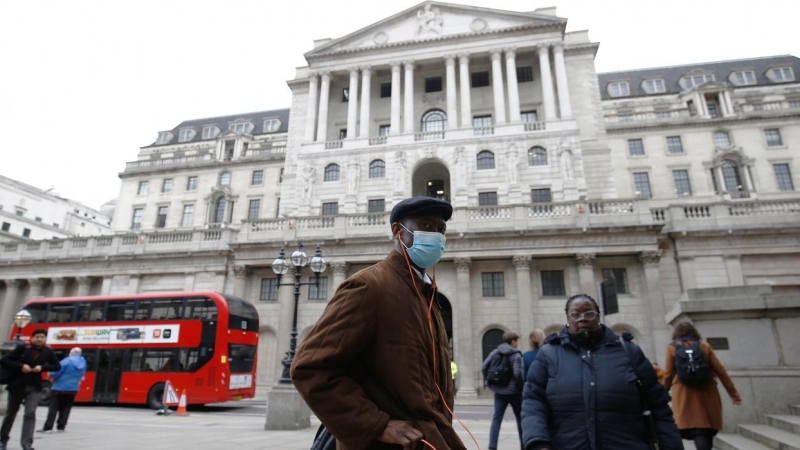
{"points": [[400, 171], [429, 20], [461, 168], [565, 158], [308, 181], [512, 160], [352, 177]]}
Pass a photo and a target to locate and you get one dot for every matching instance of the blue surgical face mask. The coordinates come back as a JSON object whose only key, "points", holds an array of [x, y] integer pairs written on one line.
{"points": [[427, 249]]}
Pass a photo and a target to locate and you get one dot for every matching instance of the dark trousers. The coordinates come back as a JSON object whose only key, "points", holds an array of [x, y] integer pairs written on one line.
{"points": [[501, 401], [15, 398], [61, 405]]}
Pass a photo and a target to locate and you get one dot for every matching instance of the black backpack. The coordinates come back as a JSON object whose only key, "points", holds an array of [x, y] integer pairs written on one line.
{"points": [[500, 370], [690, 364]]}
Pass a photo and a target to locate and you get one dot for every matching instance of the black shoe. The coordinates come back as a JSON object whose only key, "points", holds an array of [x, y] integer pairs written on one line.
{"points": [[44, 431]]}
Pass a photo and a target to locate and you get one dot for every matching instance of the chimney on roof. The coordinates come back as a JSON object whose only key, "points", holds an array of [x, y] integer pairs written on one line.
{"points": [[546, 11]]}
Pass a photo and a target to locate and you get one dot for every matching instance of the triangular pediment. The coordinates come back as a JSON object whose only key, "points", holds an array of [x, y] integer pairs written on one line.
{"points": [[434, 21]]}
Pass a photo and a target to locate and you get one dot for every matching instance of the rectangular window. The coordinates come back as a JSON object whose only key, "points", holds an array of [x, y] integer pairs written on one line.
{"points": [[269, 289], [553, 283], [278, 207], [188, 215], [376, 205], [166, 186], [19, 213], [493, 284], [774, 138], [619, 89], [635, 147], [254, 209], [136, 222], [161, 220], [6, 226], [682, 186], [541, 195], [26, 232], [345, 95], [271, 125], [487, 198], [713, 110], [191, 184], [433, 84], [210, 132], [342, 133], [185, 135], [744, 77], [524, 74], [383, 130], [620, 278], [386, 90], [318, 293], [143, 185], [481, 121], [330, 209], [674, 144], [258, 178], [782, 74], [529, 116], [480, 79], [783, 176], [38, 219], [641, 182], [655, 86]]}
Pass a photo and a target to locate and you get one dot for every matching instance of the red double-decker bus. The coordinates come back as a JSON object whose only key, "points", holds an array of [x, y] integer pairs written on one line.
{"points": [[203, 342]]}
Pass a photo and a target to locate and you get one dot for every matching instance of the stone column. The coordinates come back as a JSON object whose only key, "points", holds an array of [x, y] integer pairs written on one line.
{"points": [[497, 87], [750, 187], [352, 104], [464, 348], [339, 269], [586, 273], [513, 87], [686, 269], [561, 82], [240, 274], [547, 83], [655, 301], [729, 102], [366, 80], [525, 300], [395, 118], [134, 281], [723, 105], [311, 108], [59, 286], [7, 310], [452, 108], [35, 287], [324, 97], [723, 188], [733, 264], [84, 286], [466, 91], [408, 98]]}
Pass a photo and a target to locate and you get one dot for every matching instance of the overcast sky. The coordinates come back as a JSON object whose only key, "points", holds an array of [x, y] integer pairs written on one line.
{"points": [[84, 84]]}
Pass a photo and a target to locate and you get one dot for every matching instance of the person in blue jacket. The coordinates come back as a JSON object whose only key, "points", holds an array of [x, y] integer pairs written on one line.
{"points": [[66, 383], [581, 391], [536, 340]]}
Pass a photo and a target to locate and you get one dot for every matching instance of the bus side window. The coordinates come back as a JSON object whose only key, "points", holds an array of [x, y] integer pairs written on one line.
{"points": [[91, 359], [137, 357], [199, 308], [143, 311], [120, 310], [38, 312], [61, 312], [91, 312], [167, 309], [190, 359]]}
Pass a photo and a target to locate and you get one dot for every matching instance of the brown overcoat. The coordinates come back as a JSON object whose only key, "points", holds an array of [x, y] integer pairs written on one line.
{"points": [[369, 358], [698, 406]]}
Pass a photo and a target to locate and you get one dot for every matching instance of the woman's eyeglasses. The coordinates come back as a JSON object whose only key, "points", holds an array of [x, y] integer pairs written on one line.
{"points": [[589, 315]]}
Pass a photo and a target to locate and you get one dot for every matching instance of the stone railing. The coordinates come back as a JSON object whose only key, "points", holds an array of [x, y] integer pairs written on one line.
{"points": [[733, 215], [770, 106], [333, 145], [535, 126], [173, 161], [647, 116], [483, 131], [380, 140], [429, 136], [266, 151]]}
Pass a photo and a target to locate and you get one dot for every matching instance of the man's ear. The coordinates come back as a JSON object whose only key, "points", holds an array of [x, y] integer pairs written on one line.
{"points": [[396, 229]]}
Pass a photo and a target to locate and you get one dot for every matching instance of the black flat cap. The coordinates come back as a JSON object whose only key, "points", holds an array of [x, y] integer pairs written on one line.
{"points": [[418, 206]]}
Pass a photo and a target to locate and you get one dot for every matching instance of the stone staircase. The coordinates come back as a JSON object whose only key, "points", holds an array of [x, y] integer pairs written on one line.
{"points": [[781, 432]]}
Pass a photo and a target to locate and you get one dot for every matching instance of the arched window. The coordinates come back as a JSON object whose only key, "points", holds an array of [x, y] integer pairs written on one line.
{"points": [[537, 156], [485, 160], [491, 340], [435, 120], [733, 179], [225, 179], [219, 211], [722, 139], [332, 172], [377, 169]]}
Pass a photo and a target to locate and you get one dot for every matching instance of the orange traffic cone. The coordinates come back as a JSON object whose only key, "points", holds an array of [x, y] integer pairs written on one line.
{"points": [[182, 405]]}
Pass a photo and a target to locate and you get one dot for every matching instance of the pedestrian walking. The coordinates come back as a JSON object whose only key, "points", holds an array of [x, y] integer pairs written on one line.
{"points": [[66, 382], [536, 339], [502, 373]]}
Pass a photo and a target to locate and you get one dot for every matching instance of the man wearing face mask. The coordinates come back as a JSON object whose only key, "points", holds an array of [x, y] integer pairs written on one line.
{"points": [[375, 368]]}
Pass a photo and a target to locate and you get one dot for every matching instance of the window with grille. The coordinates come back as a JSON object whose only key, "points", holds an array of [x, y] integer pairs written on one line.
{"points": [[386, 90], [485, 160], [435, 120], [529, 116], [210, 132], [541, 195], [732, 177], [257, 178], [161, 219], [722, 139], [166, 186], [782, 74], [524, 74], [433, 84], [318, 292], [383, 130], [163, 138], [330, 209], [377, 169], [744, 77], [619, 89], [620, 278], [331, 172], [191, 184], [342, 133], [136, 222], [773, 136], [188, 215], [635, 147], [682, 186], [254, 210], [269, 289], [185, 135], [783, 176], [271, 125], [674, 144], [376, 205], [143, 185], [481, 121], [225, 179], [219, 210], [654, 86], [480, 79], [537, 156], [641, 182], [487, 198], [553, 283], [493, 284]]}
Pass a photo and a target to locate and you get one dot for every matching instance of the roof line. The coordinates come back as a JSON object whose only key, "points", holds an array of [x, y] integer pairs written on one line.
{"points": [[699, 64], [234, 115]]}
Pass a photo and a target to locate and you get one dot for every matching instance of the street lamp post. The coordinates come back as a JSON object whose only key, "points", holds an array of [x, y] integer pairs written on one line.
{"points": [[286, 409], [21, 320]]}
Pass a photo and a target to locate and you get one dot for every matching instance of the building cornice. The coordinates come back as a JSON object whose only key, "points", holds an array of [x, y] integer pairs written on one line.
{"points": [[694, 123]]}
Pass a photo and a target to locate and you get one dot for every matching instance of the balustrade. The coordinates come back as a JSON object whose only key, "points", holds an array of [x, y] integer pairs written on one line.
{"points": [[483, 131], [333, 145], [534, 126], [79, 243], [380, 140], [489, 213], [695, 212], [613, 207], [428, 136]]}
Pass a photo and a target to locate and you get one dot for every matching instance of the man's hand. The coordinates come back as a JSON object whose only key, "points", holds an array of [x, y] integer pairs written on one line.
{"points": [[37, 369], [26, 368], [402, 433]]}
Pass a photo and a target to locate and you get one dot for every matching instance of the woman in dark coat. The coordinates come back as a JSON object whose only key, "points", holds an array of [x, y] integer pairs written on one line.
{"points": [[581, 391]]}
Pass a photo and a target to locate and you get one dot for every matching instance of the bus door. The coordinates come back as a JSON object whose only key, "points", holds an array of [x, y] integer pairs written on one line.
{"points": [[109, 374]]}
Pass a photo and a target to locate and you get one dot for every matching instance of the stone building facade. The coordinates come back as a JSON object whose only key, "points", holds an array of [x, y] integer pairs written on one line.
{"points": [[502, 114]]}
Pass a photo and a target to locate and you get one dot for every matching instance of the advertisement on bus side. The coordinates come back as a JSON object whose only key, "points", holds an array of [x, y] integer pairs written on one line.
{"points": [[144, 334]]}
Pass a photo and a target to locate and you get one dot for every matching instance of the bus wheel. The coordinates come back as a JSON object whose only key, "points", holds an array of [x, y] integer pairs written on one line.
{"points": [[156, 396], [44, 396]]}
